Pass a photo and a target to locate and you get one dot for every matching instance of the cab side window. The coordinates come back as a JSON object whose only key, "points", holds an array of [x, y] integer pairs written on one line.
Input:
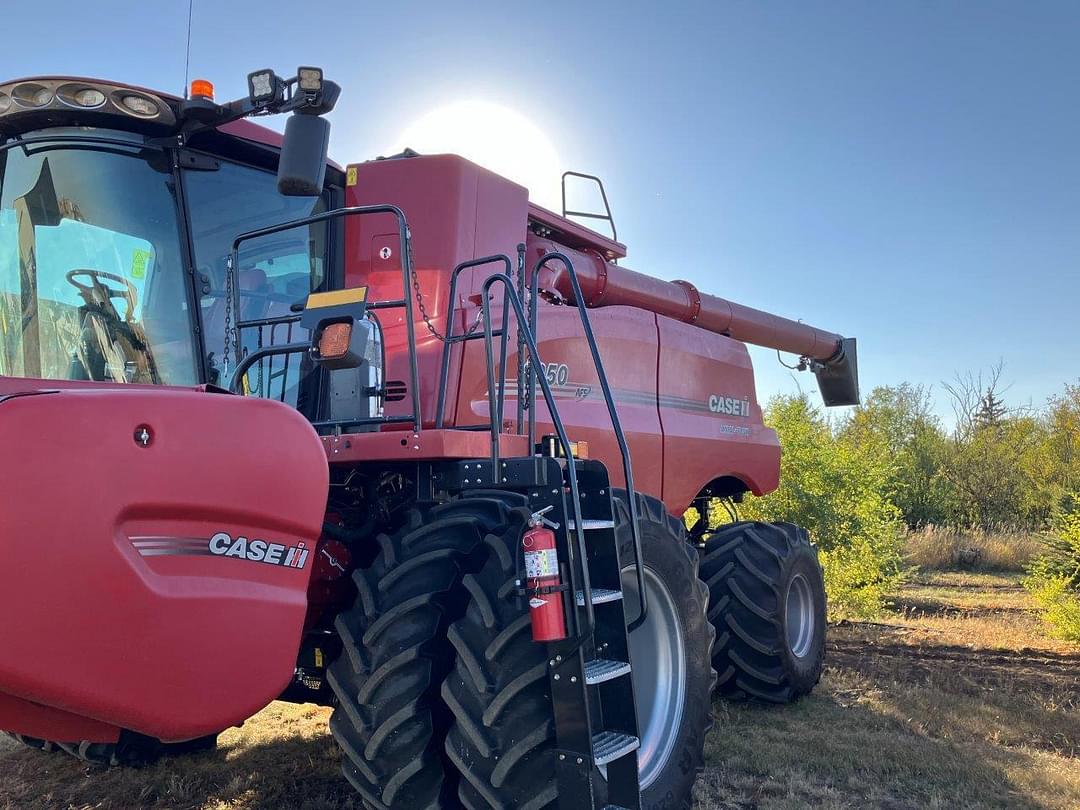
{"points": [[273, 273]]}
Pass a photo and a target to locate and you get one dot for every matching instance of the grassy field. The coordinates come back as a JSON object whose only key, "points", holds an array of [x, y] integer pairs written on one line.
{"points": [[955, 699]]}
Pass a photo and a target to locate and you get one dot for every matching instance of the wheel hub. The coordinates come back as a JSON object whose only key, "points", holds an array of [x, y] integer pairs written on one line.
{"points": [[658, 655], [800, 616]]}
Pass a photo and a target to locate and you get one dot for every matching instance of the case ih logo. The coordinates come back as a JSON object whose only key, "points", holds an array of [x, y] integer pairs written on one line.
{"points": [[222, 544], [729, 406]]}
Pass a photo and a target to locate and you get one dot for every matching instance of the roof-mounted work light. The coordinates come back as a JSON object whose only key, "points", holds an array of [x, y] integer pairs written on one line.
{"points": [[264, 86], [310, 79]]}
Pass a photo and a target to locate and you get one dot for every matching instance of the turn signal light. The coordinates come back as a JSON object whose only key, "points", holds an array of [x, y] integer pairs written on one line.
{"points": [[201, 88], [335, 341]]}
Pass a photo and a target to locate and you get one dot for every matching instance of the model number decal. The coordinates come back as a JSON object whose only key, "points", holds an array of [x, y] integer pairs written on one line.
{"points": [[223, 545], [556, 373], [729, 406]]}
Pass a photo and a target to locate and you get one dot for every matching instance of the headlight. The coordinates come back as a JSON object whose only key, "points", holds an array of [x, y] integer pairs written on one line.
{"points": [[79, 95], [89, 98], [32, 95], [138, 105], [5, 103]]}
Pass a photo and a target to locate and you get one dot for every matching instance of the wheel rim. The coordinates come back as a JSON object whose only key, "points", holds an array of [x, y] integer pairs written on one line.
{"points": [[800, 616], [659, 661]]}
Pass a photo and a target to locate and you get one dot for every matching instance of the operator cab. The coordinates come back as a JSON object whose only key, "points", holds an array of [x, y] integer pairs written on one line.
{"points": [[118, 208]]}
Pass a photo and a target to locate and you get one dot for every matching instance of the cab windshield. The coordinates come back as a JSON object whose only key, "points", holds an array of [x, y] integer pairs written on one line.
{"points": [[92, 283]]}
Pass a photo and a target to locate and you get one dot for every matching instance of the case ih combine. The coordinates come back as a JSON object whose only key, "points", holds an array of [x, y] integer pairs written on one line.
{"points": [[389, 438]]}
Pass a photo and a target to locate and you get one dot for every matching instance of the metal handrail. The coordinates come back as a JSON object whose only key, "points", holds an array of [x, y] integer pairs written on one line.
{"points": [[608, 218], [406, 276], [512, 299], [616, 424], [451, 338]]}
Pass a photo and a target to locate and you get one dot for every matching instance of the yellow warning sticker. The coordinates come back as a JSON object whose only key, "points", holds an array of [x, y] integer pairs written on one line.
{"points": [[352, 295], [350, 176], [318, 658], [140, 261]]}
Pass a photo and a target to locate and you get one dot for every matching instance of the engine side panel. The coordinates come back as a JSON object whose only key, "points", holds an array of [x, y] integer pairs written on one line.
{"points": [[710, 415], [130, 600], [626, 338]]}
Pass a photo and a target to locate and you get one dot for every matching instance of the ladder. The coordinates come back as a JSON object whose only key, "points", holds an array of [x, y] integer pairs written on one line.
{"points": [[589, 673]]}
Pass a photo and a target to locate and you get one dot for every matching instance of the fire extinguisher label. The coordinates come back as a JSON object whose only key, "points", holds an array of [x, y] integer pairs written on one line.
{"points": [[541, 563], [535, 603]]}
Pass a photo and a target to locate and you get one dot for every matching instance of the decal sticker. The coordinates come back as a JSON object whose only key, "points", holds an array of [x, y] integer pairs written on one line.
{"points": [[140, 261], [556, 373], [541, 563], [223, 544], [729, 406], [535, 603], [350, 176]]}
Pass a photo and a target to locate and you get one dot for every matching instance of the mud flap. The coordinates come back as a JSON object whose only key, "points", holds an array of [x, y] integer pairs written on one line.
{"points": [[155, 551]]}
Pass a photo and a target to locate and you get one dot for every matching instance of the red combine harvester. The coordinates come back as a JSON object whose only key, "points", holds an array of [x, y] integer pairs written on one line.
{"points": [[363, 437]]}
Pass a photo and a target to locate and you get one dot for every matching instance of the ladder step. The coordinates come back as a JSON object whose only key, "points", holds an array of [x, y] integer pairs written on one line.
{"points": [[608, 746], [599, 670], [592, 525], [599, 596]]}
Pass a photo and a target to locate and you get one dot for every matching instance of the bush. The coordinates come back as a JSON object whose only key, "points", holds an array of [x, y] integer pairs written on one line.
{"points": [[1054, 578], [1060, 605], [839, 491]]}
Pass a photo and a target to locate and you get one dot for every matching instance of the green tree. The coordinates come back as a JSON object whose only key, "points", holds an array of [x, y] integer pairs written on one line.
{"points": [[899, 418], [839, 490]]}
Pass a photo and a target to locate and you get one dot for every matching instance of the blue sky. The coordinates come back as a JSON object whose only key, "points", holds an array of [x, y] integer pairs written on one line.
{"points": [[905, 172]]}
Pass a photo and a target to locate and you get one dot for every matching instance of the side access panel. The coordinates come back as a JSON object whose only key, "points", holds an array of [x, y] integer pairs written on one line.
{"points": [[710, 415], [128, 599]]}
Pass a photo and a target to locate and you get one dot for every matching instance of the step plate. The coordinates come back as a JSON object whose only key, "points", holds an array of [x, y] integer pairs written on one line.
{"points": [[599, 596], [600, 670], [592, 525], [608, 746]]}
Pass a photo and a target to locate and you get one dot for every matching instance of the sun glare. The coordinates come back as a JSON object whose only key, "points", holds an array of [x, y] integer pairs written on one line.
{"points": [[496, 137]]}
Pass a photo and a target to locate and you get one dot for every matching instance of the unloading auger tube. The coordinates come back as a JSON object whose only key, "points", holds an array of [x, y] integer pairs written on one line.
{"points": [[832, 357]]}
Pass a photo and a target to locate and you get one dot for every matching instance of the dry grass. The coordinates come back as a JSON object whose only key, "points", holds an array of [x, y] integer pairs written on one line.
{"points": [[936, 548], [955, 700]]}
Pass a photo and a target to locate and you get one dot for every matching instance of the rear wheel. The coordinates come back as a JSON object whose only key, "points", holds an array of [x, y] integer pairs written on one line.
{"points": [[502, 739], [390, 722], [767, 602]]}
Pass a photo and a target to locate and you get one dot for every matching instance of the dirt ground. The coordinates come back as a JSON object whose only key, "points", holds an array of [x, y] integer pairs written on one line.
{"points": [[955, 699]]}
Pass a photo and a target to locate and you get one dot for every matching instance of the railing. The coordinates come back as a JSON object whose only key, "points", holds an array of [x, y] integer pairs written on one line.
{"points": [[527, 334], [609, 400], [470, 334], [287, 349], [573, 565]]}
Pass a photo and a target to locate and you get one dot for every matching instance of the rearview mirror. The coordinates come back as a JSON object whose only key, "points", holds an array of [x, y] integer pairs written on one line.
{"points": [[302, 166]]}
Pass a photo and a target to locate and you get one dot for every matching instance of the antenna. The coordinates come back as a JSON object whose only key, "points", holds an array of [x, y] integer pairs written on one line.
{"points": [[187, 58]]}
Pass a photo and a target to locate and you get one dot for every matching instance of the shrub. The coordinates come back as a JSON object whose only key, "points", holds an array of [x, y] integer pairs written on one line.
{"points": [[1054, 578], [839, 491]]}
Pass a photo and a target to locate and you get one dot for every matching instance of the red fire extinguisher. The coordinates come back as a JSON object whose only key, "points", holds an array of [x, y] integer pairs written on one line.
{"points": [[541, 580]]}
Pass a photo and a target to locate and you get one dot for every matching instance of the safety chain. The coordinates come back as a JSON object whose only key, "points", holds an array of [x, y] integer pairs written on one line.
{"points": [[423, 310], [228, 314]]}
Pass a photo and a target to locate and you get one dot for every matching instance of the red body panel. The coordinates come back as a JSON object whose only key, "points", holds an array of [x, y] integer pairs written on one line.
{"points": [[127, 619], [662, 372]]}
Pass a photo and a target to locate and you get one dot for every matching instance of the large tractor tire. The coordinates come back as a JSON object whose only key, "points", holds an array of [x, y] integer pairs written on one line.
{"points": [[131, 750], [390, 721], [767, 602], [502, 739]]}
